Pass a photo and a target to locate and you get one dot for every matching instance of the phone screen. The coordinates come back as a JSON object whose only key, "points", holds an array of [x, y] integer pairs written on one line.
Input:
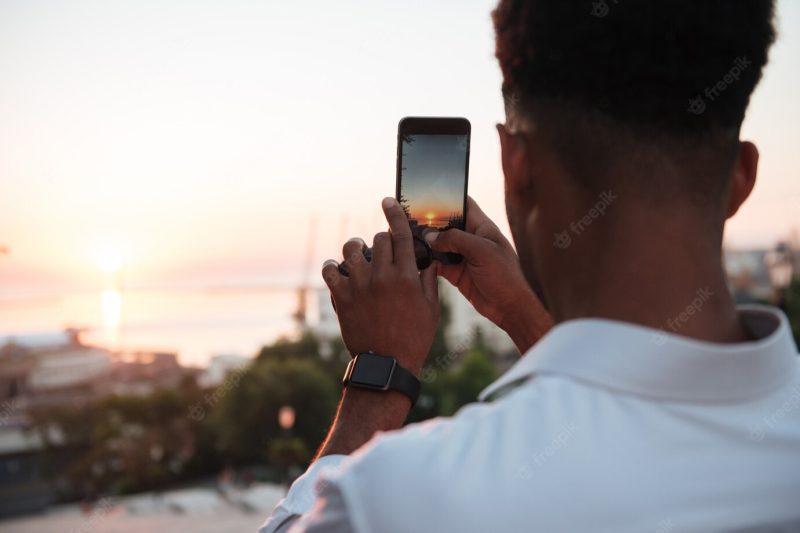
{"points": [[432, 177]]}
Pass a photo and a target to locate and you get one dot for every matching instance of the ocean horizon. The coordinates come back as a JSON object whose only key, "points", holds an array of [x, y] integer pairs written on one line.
{"points": [[195, 323]]}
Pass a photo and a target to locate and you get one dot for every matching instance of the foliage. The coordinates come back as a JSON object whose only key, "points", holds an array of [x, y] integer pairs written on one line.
{"points": [[124, 444], [439, 358], [792, 303], [463, 385], [286, 451], [246, 420], [307, 347], [404, 205]]}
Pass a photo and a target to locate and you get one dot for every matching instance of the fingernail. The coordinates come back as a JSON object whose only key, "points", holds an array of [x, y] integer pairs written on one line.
{"points": [[431, 236], [389, 202]]}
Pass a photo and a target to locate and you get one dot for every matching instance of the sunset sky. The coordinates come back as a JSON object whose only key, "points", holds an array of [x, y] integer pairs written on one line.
{"points": [[433, 177], [194, 142]]}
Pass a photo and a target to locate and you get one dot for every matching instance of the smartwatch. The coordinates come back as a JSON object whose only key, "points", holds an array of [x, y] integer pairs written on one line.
{"points": [[368, 370]]}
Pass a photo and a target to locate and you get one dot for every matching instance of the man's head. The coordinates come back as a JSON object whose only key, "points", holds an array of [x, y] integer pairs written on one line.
{"points": [[625, 112]]}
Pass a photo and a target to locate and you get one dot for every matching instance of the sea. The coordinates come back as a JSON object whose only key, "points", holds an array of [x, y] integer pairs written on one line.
{"points": [[194, 323]]}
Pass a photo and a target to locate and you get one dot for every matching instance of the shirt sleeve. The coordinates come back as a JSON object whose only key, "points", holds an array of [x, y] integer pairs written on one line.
{"points": [[301, 496], [329, 514]]}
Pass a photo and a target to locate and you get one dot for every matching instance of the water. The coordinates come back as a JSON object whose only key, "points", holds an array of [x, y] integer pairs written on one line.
{"points": [[195, 324]]}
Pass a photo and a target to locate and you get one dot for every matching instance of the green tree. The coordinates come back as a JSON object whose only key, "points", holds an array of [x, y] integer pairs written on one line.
{"points": [[464, 382], [403, 201], [246, 419], [307, 347], [439, 358], [120, 444]]}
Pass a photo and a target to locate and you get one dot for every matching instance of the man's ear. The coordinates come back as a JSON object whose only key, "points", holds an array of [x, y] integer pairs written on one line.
{"points": [[514, 157], [744, 176]]}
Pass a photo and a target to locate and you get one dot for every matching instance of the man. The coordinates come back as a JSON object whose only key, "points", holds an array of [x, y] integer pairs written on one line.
{"points": [[653, 404]]}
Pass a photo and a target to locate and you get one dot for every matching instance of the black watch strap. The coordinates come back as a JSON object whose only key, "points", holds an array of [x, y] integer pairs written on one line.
{"points": [[369, 370], [406, 382]]}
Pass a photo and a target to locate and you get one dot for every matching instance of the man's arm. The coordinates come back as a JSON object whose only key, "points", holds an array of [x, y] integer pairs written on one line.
{"points": [[388, 307], [361, 414], [385, 306]]}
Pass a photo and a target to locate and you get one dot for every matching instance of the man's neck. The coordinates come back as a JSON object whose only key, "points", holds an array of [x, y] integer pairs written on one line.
{"points": [[662, 278]]}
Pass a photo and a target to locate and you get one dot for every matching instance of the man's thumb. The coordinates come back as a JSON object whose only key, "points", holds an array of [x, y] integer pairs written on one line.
{"points": [[454, 240]]}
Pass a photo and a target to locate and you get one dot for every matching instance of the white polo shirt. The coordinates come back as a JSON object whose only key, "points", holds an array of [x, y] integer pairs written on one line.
{"points": [[601, 426]]}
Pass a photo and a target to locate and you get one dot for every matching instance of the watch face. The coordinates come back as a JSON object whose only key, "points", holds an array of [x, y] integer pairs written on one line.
{"points": [[372, 370]]}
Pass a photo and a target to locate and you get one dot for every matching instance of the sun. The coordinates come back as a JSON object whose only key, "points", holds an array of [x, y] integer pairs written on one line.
{"points": [[430, 216], [109, 260]]}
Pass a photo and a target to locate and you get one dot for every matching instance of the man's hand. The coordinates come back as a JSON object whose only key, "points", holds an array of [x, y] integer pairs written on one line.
{"points": [[490, 277], [386, 305]]}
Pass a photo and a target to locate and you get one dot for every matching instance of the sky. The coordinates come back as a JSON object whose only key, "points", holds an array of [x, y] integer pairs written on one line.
{"points": [[194, 142], [433, 178]]}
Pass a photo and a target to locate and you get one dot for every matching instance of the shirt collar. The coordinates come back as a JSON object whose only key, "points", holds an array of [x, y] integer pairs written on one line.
{"points": [[659, 365]]}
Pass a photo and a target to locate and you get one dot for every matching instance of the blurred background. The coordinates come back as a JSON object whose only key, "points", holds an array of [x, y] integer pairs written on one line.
{"points": [[173, 174]]}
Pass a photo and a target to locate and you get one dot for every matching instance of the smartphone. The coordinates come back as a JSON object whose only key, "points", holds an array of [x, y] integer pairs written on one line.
{"points": [[432, 171]]}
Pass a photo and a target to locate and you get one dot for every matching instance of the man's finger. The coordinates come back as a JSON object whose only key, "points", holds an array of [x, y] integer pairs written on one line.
{"points": [[333, 278], [402, 240], [353, 245], [451, 273], [454, 240], [382, 249], [354, 260], [430, 285]]}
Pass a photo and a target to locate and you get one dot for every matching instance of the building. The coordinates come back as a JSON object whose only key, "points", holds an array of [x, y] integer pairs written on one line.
{"points": [[57, 369], [219, 367], [50, 367], [748, 278]]}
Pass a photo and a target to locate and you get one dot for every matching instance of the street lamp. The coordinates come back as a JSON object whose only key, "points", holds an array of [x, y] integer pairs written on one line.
{"points": [[286, 417], [780, 268], [282, 448]]}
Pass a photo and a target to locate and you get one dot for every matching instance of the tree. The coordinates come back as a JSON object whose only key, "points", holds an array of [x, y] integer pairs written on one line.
{"points": [[307, 347], [246, 419], [475, 373], [122, 444], [403, 201], [439, 358]]}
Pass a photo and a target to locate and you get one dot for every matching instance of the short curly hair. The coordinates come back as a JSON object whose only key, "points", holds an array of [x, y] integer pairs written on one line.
{"points": [[680, 70]]}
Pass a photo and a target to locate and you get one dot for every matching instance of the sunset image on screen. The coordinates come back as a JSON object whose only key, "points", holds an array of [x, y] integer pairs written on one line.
{"points": [[433, 181]]}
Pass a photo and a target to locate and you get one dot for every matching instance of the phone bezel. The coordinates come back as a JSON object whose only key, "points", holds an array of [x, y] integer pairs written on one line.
{"points": [[434, 126]]}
